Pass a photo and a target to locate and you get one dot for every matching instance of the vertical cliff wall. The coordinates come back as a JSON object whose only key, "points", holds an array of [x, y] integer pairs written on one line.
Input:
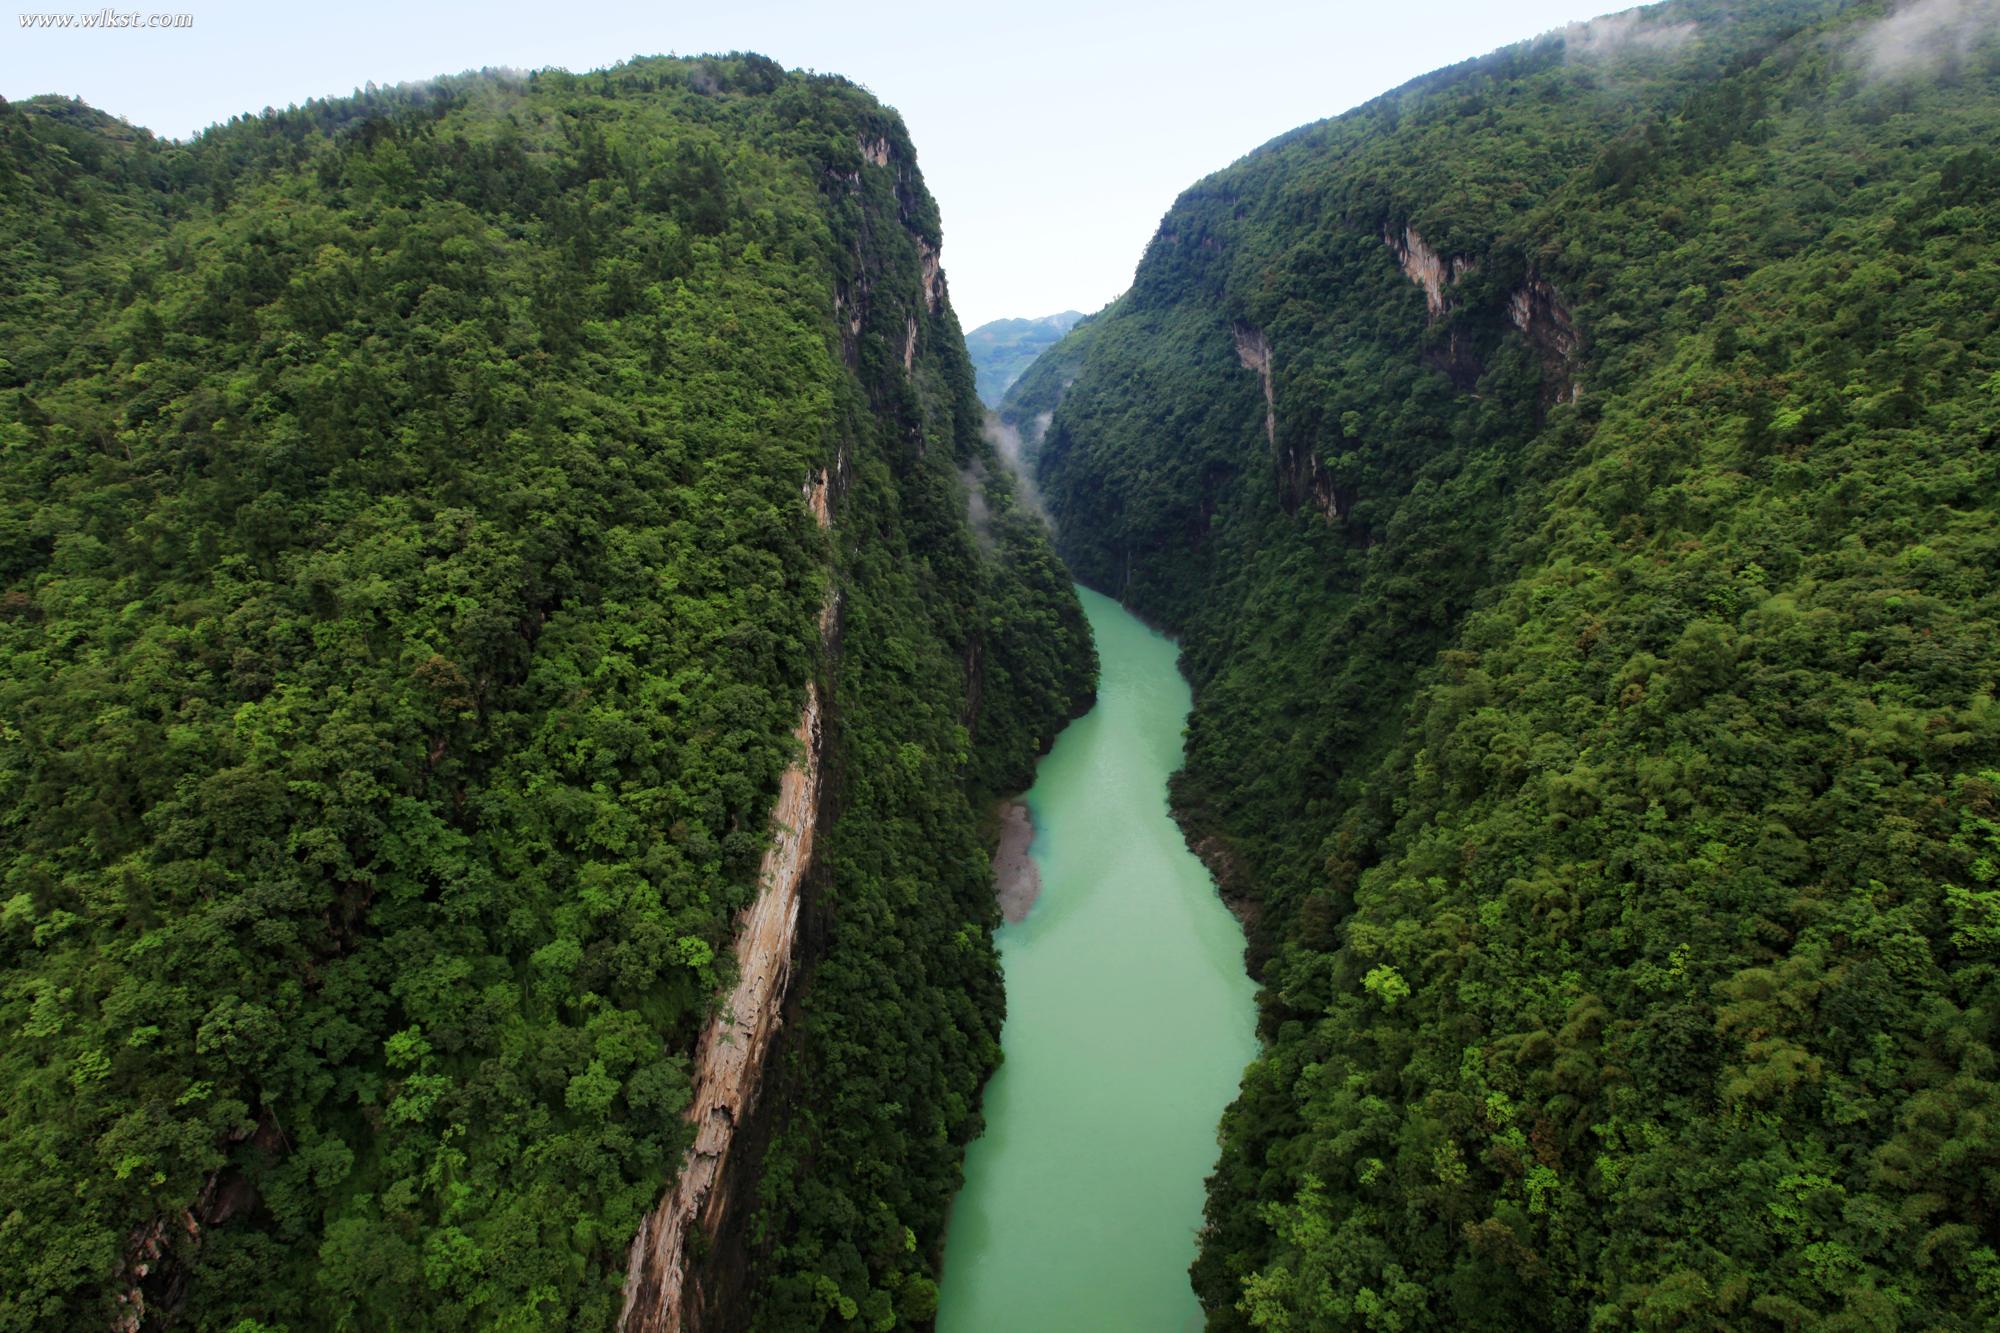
{"points": [[734, 1243], [731, 1058]]}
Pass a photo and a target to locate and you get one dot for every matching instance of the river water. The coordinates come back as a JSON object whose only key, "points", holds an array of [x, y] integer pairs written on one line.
{"points": [[1129, 1021]]}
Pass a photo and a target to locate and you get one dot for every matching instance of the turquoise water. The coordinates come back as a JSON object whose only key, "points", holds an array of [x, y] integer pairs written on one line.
{"points": [[1129, 1021]]}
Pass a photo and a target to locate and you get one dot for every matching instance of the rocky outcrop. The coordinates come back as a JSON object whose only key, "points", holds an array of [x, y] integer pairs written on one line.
{"points": [[1304, 481], [933, 275], [1438, 274], [1533, 308], [1537, 311], [730, 1057], [144, 1249], [1301, 478], [1430, 270], [850, 312], [154, 1275], [1253, 349], [851, 303]]}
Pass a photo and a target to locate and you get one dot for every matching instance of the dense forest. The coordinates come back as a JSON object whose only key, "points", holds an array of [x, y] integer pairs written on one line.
{"points": [[1576, 479], [408, 594]]}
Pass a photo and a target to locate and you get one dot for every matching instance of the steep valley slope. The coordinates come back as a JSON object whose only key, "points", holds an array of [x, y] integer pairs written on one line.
{"points": [[466, 552], [1576, 479]]}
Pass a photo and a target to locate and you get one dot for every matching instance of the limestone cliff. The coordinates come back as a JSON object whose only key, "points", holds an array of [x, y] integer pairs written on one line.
{"points": [[1430, 270], [910, 466], [1253, 349], [492, 824], [1301, 478], [730, 1060], [1534, 308], [1537, 311]]}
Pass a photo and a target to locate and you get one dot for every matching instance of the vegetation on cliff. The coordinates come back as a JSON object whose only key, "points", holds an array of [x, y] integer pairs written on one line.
{"points": [[406, 598], [1596, 651]]}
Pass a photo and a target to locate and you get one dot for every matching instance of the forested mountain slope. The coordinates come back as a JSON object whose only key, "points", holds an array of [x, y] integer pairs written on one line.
{"points": [[1002, 349], [409, 589], [1576, 478]]}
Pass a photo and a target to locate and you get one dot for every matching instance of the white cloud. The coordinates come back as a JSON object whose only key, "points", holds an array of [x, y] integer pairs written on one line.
{"points": [[1921, 36]]}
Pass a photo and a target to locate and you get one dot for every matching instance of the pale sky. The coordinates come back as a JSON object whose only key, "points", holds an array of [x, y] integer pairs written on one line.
{"points": [[1054, 133]]}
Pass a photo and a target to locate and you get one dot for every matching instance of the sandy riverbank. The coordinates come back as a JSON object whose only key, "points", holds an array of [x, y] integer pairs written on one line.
{"points": [[1015, 877]]}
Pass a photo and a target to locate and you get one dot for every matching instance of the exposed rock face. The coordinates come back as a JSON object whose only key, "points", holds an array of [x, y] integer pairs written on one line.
{"points": [[817, 501], [933, 275], [1301, 479], [1232, 883], [143, 1248], [1253, 349], [729, 1060], [154, 1274], [1437, 275], [1304, 482], [1427, 268], [850, 313], [669, 1285], [1536, 310], [850, 306]]}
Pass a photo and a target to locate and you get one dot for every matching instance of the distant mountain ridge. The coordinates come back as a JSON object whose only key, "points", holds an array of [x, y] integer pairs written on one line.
{"points": [[1003, 349]]}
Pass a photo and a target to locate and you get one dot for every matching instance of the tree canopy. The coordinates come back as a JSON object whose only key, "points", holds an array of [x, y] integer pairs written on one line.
{"points": [[1595, 662], [406, 601]]}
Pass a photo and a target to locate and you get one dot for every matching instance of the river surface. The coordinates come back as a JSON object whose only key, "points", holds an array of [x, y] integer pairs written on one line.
{"points": [[1129, 1021]]}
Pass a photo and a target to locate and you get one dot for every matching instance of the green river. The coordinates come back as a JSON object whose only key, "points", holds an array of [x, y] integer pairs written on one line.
{"points": [[1129, 1021]]}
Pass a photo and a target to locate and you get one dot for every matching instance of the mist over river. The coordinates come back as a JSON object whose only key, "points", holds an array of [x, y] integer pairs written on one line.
{"points": [[1129, 1021]]}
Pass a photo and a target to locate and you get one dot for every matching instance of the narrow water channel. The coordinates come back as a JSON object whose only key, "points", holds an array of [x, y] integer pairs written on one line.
{"points": [[1129, 1021]]}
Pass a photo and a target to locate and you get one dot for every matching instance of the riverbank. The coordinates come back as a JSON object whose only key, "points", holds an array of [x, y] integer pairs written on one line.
{"points": [[1017, 880]]}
